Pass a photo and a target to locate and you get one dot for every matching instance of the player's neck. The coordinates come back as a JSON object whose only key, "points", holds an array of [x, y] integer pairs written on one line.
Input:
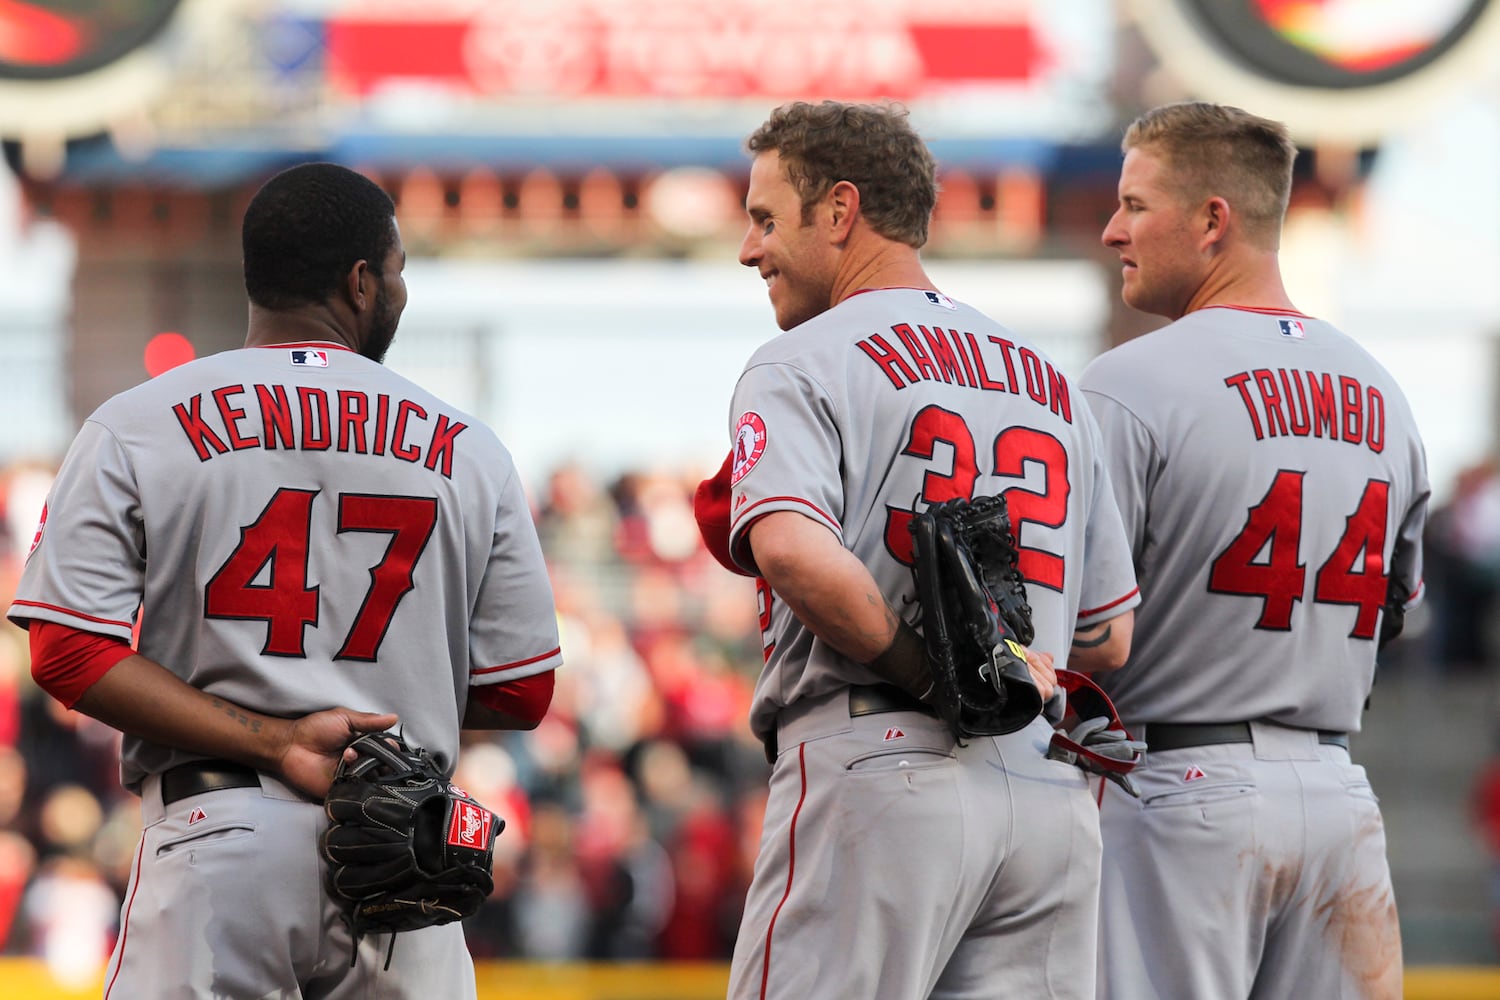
{"points": [[1253, 284], [308, 324], [891, 265]]}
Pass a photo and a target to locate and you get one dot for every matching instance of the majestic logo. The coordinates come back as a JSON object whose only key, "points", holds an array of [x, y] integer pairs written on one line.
{"points": [[939, 299], [470, 826], [1193, 773], [197, 815], [309, 358], [894, 733], [1292, 328], [749, 444]]}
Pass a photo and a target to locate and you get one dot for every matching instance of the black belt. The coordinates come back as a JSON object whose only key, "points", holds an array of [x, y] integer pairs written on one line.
{"points": [[1179, 736], [199, 776], [867, 699], [872, 699]]}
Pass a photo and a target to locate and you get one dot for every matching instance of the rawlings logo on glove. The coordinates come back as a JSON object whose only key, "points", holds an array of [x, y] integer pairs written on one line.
{"points": [[404, 848]]}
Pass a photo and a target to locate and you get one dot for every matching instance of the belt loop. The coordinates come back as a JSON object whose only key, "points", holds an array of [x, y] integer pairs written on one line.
{"points": [[769, 745], [152, 807]]}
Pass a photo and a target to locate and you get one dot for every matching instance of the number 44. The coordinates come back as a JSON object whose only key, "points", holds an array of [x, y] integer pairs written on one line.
{"points": [[1354, 574]]}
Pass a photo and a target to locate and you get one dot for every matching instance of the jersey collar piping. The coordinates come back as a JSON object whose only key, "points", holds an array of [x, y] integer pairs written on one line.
{"points": [[306, 343], [885, 288], [1267, 310]]}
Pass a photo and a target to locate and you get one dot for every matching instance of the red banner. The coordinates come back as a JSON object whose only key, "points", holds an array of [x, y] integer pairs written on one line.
{"points": [[642, 49]]}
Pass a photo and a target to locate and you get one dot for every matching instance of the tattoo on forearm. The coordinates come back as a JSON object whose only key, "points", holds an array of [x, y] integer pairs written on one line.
{"points": [[1098, 640], [238, 716]]}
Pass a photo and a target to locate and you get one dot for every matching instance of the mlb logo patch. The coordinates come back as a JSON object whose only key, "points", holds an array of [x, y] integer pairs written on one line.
{"points": [[939, 299], [1292, 328], [470, 826], [308, 358]]}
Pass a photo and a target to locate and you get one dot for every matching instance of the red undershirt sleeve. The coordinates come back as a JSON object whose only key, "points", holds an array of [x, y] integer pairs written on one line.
{"points": [[527, 698], [65, 661]]}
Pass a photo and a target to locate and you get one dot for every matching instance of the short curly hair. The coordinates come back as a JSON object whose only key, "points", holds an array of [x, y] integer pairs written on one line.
{"points": [[307, 227], [872, 146], [1216, 149]]}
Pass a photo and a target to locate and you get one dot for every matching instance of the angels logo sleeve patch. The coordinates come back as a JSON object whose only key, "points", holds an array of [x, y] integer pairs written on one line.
{"points": [[749, 444]]}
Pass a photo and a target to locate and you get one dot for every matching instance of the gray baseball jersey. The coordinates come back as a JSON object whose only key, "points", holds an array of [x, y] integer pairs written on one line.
{"points": [[891, 400], [1271, 479], [899, 398], [1274, 488], [299, 527]]}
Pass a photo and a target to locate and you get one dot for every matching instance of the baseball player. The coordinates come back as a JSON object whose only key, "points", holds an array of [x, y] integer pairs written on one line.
{"points": [[896, 862], [310, 545], [1274, 489]]}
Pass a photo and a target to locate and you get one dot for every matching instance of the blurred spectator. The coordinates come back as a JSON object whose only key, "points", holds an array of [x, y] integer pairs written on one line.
{"points": [[1462, 571], [552, 913], [71, 914], [17, 866], [1484, 813], [577, 520], [706, 905]]}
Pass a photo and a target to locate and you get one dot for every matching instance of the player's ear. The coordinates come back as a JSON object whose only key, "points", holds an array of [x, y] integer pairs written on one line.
{"points": [[360, 286], [842, 203], [1215, 219]]}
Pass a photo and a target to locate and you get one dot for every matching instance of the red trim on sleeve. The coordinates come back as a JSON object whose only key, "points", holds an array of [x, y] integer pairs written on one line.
{"points": [[68, 611], [65, 661], [520, 663], [525, 698], [1111, 604], [823, 515]]}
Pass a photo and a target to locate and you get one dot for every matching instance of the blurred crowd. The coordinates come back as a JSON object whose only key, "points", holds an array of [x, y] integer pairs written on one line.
{"points": [[632, 812]]}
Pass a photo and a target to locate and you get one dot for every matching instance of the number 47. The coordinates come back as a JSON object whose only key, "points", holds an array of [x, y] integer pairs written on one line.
{"points": [[281, 539], [1353, 574]]}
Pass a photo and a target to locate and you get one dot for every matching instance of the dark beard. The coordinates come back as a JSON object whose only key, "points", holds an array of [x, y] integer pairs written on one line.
{"points": [[382, 329]]}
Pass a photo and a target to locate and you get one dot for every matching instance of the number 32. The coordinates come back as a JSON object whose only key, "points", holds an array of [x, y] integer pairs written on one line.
{"points": [[1012, 448]]}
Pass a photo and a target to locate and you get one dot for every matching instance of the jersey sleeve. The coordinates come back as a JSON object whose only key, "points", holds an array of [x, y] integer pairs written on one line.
{"points": [[785, 453], [1133, 463], [87, 566], [1109, 584], [1406, 556], [513, 630]]}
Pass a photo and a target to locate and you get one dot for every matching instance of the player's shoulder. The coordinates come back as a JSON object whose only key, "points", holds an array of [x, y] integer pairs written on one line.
{"points": [[1140, 361]]}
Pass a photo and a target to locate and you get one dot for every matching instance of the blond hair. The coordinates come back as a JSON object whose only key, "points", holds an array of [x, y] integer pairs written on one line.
{"points": [[1214, 150]]}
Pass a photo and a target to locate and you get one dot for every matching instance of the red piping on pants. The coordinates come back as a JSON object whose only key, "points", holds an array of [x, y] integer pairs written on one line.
{"points": [[791, 868], [125, 919]]}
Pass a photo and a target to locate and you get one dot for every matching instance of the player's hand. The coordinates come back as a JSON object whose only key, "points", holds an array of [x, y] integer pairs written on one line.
{"points": [[1040, 666], [318, 741]]}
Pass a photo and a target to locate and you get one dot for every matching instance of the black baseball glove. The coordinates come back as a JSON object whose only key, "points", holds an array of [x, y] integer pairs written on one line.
{"points": [[975, 619], [405, 848]]}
